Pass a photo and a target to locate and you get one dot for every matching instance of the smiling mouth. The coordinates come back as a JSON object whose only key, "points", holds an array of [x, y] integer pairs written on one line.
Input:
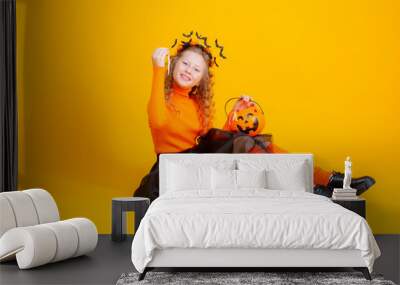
{"points": [[185, 77]]}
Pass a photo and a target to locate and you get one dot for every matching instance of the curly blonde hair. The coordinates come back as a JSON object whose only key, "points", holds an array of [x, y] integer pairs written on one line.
{"points": [[202, 94]]}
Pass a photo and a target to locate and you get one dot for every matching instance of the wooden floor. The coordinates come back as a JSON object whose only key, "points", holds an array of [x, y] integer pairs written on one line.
{"points": [[111, 259]]}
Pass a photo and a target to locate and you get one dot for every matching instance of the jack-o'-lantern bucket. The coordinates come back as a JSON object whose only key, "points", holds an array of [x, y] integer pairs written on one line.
{"points": [[246, 116]]}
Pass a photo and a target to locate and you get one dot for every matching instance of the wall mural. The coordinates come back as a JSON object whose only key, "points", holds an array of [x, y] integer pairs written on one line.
{"points": [[181, 108]]}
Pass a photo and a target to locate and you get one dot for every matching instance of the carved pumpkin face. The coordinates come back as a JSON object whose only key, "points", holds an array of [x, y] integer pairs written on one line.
{"points": [[249, 120]]}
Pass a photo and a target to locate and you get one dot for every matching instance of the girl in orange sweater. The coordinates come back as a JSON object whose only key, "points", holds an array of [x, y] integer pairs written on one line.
{"points": [[180, 106]]}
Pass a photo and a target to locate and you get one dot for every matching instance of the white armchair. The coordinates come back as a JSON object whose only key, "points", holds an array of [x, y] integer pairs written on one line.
{"points": [[31, 230]]}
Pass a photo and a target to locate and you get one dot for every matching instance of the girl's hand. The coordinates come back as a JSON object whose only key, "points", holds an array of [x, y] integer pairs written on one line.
{"points": [[246, 98], [159, 56], [242, 102]]}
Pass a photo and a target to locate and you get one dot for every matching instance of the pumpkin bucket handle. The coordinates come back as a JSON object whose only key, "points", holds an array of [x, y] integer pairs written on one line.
{"points": [[233, 98]]}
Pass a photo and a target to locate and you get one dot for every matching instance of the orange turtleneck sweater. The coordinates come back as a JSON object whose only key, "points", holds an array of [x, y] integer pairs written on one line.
{"points": [[174, 125]]}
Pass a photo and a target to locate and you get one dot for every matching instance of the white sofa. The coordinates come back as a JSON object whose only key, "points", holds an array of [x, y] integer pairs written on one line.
{"points": [[31, 231]]}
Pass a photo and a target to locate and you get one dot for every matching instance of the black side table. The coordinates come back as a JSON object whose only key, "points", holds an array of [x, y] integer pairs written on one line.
{"points": [[356, 205], [119, 208]]}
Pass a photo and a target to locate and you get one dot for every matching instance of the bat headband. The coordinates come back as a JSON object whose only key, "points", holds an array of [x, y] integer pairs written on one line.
{"points": [[196, 40]]}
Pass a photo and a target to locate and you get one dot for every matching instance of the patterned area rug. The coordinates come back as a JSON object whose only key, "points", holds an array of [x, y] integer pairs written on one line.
{"points": [[231, 278]]}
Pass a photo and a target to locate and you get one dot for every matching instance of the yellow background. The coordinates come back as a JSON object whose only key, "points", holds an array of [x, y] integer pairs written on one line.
{"points": [[325, 72]]}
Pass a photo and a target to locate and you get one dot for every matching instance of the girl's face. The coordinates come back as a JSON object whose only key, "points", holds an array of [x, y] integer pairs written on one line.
{"points": [[189, 69]]}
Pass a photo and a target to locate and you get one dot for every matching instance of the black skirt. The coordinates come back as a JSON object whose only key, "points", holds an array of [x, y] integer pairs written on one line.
{"points": [[214, 141]]}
